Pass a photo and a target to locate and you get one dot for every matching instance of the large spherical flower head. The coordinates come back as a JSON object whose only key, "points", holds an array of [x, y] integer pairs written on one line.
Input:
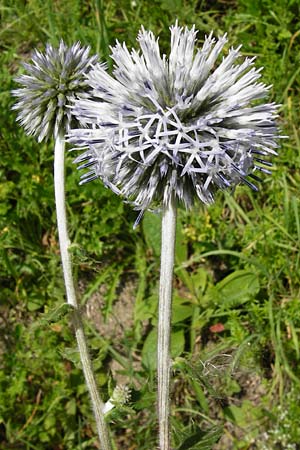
{"points": [[181, 126], [50, 86]]}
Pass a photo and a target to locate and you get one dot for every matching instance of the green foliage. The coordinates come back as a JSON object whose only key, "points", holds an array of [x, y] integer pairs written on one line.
{"points": [[236, 315], [43, 400], [201, 440]]}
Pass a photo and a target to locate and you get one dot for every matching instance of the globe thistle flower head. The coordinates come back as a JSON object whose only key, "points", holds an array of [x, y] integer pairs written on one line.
{"points": [[182, 126], [51, 84]]}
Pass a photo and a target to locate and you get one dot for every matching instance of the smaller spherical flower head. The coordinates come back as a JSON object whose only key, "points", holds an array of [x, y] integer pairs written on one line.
{"points": [[183, 126], [120, 396], [50, 85]]}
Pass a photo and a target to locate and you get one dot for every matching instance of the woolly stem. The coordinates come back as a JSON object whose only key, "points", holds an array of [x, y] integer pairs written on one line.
{"points": [[164, 322], [64, 243]]}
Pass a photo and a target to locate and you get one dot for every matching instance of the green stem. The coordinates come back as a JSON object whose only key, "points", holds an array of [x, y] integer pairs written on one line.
{"points": [[164, 322], [64, 243]]}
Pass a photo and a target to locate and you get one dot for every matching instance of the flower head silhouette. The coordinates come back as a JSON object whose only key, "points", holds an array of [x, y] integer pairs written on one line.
{"points": [[52, 81], [182, 126]]}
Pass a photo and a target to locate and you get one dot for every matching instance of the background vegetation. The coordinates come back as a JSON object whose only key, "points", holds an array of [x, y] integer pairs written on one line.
{"points": [[236, 320]]}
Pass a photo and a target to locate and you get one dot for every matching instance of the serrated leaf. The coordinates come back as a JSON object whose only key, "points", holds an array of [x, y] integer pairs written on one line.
{"points": [[201, 440], [56, 314]]}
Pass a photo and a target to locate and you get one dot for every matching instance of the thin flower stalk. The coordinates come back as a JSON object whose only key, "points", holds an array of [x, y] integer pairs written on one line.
{"points": [[61, 217], [52, 83]]}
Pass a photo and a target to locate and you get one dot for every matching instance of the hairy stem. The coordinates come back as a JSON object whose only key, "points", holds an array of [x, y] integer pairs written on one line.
{"points": [[164, 322], [64, 243]]}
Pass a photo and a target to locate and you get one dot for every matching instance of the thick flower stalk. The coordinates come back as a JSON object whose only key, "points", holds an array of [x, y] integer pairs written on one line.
{"points": [[52, 82], [165, 131]]}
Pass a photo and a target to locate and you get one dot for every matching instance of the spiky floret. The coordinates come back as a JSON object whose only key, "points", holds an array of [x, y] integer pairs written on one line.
{"points": [[50, 84], [185, 125]]}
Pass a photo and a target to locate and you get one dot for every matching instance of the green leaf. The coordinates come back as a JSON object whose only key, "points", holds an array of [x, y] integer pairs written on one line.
{"points": [[199, 279], [111, 294], [201, 440], [243, 415], [195, 282], [55, 314], [180, 245], [152, 231], [177, 343], [147, 309], [172, 5], [236, 289], [181, 310], [149, 351], [50, 422], [144, 399], [71, 407], [35, 303], [71, 354]]}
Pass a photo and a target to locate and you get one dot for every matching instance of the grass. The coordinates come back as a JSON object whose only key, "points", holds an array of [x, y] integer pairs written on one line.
{"points": [[236, 318]]}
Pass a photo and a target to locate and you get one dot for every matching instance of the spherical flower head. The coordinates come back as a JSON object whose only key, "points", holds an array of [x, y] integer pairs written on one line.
{"points": [[181, 126], [51, 84]]}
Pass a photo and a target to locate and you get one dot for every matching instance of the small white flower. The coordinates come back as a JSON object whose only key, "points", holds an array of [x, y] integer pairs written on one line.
{"points": [[182, 126], [52, 81]]}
